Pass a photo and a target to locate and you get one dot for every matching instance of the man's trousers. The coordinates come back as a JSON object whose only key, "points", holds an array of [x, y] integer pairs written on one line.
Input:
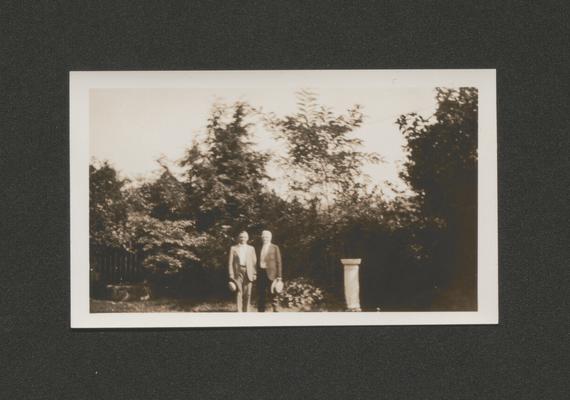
{"points": [[264, 292], [243, 295]]}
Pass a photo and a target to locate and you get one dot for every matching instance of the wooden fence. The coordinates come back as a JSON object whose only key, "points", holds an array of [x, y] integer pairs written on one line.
{"points": [[115, 266]]}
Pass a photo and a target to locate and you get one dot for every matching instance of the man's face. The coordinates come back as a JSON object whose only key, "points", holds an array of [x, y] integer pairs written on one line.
{"points": [[266, 237], [243, 237]]}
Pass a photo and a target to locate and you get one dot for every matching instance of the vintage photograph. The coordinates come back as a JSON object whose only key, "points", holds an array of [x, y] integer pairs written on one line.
{"points": [[290, 193]]}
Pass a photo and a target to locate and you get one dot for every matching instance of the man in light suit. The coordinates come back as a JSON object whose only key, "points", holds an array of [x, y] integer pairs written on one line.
{"points": [[242, 271], [270, 269]]}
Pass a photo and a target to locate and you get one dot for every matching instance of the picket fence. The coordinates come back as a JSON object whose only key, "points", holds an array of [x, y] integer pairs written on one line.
{"points": [[111, 265]]}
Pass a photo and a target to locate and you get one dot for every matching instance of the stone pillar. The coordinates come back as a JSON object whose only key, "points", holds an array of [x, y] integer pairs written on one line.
{"points": [[351, 283]]}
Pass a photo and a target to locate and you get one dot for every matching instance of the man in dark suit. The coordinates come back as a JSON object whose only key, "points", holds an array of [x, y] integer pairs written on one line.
{"points": [[270, 269], [242, 271]]}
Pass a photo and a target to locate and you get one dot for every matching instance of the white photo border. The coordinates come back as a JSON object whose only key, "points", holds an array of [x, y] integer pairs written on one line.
{"points": [[487, 286]]}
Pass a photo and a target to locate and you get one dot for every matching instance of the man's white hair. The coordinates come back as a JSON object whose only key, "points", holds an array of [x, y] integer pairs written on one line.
{"points": [[266, 231]]}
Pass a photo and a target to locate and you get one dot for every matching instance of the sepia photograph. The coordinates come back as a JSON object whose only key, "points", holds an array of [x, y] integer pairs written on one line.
{"points": [[287, 200], [238, 198]]}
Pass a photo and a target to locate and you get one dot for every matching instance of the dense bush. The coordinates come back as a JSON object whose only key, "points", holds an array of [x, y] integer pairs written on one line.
{"points": [[167, 246], [300, 294]]}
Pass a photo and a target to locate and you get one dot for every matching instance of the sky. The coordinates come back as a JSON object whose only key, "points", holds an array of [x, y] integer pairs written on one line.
{"points": [[132, 128]]}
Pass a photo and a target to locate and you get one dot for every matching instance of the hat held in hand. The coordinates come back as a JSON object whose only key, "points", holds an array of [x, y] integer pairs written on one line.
{"points": [[277, 286], [233, 285]]}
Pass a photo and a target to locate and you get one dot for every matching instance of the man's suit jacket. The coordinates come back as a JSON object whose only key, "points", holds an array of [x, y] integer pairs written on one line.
{"points": [[251, 261], [273, 262]]}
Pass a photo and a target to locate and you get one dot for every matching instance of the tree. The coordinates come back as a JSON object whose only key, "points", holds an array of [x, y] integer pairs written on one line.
{"points": [[225, 180], [323, 164], [323, 158], [108, 207], [442, 169], [136, 219], [225, 174], [442, 152], [165, 197]]}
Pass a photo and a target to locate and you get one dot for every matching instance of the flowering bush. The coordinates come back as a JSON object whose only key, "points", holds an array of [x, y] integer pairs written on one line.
{"points": [[300, 293]]}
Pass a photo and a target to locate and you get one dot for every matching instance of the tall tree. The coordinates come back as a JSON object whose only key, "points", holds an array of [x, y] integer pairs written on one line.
{"points": [[108, 207], [442, 152], [324, 160], [225, 174], [442, 168]]}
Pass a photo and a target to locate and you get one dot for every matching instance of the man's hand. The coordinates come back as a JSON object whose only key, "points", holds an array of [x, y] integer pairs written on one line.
{"points": [[254, 277]]}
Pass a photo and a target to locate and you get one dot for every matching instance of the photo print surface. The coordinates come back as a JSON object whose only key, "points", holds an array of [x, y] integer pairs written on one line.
{"points": [[256, 198]]}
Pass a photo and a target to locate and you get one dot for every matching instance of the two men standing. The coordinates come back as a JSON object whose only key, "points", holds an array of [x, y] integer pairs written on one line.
{"points": [[243, 271]]}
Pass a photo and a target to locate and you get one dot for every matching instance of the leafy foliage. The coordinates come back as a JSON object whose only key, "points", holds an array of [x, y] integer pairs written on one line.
{"points": [[442, 169], [323, 159], [442, 151], [163, 198], [300, 294], [108, 207], [167, 246], [225, 175], [225, 179], [136, 219]]}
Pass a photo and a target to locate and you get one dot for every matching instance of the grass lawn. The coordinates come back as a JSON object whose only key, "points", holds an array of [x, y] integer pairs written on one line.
{"points": [[174, 305]]}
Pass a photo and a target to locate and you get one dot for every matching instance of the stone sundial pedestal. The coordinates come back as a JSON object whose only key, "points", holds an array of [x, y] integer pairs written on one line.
{"points": [[351, 283]]}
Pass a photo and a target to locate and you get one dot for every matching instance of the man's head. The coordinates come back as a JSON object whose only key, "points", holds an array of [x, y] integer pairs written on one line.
{"points": [[243, 237], [266, 237]]}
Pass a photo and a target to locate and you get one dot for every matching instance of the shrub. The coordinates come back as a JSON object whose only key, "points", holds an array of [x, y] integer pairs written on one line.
{"points": [[300, 293], [167, 246]]}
